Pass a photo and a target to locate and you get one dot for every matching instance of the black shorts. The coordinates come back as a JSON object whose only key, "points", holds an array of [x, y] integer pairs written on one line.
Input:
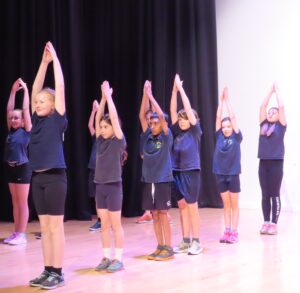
{"points": [[229, 183], [91, 183], [49, 191], [19, 174], [156, 196], [186, 185], [109, 196]]}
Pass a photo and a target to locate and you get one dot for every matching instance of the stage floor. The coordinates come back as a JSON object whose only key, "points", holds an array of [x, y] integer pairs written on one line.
{"points": [[256, 264]]}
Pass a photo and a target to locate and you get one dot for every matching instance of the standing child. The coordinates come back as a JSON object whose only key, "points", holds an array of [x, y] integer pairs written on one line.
{"points": [[157, 175], [17, 164], [186, 168], [49, 181], [111, 146], [227, 167], [92, 162], [271, 155]]}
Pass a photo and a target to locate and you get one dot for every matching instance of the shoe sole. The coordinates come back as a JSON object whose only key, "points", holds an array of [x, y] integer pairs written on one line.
{"points": [[114, 271], [181, 251], [94, 230], [53, 287], [144, 222], [162, 259], [190, 253]]}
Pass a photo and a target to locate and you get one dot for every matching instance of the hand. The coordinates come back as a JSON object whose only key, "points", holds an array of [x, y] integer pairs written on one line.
{"points": [[46, 56], [225, 94], [16, 86], [95, 105], [106, 90], [275, 87], [50, 49], [178, 82], [23, 85], [146, 86]]}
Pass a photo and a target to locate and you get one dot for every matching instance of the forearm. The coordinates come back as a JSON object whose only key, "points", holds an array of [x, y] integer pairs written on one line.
{"points": [[173, 106], [11, 101], [39, 79]]}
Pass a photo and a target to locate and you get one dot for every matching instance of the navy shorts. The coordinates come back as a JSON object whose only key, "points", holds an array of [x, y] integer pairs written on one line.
{"points": [[109, 196], [18, 174], [229, 183], [49, 191], [186, 185], [91, 183], [156, 196]]}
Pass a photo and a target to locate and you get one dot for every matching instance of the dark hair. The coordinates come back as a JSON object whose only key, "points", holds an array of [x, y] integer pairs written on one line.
{"points": [[225, 119], [155, 115], [148, 111], [182, 114]]}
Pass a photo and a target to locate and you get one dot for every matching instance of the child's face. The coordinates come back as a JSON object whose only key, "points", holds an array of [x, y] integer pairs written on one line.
{"points": [[44, 104], [155, 125], [227, 128], [273, 115], [184, 124], [16, 119], [106, 130]]}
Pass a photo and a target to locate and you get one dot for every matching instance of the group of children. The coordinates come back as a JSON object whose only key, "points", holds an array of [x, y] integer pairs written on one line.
{"points": [[171, 167]]}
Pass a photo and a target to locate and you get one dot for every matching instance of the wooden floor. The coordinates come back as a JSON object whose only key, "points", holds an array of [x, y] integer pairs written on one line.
{"points": [[256, 264]]}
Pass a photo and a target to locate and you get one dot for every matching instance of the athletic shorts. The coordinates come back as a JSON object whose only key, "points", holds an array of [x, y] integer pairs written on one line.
{"points": [[229, 183], [109, 196], [91, 183], [49, 191], [156, 196], [186, 185], [19, 174]]}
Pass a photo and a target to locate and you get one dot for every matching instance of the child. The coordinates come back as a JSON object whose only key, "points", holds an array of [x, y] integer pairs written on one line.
{"points": [[271, 155], [92, 162], [186, 168], [227, 167], [111, 146], [49, 181], [157, 175], [17, 164]]}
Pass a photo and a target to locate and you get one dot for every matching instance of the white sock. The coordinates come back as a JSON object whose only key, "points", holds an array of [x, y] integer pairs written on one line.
{"points": [[118, 253], [106, 252]]}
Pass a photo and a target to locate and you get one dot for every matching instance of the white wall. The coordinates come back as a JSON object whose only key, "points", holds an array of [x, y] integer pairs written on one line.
{"points": [[259, 42]]}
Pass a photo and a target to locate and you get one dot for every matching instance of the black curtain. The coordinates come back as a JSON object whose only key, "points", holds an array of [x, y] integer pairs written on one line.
{"points": [[125, 42]]}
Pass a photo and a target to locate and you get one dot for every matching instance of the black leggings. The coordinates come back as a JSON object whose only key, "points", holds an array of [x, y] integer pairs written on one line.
{"points": [[270, 178]]}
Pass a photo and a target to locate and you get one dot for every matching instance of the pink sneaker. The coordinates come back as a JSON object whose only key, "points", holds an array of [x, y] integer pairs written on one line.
{"points": [[272, 229], [145, 218], [264, 229], [225, 237], [233, 238]]}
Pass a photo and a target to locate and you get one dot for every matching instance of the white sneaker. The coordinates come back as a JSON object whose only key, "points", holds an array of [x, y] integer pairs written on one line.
{"points": [[182, 247], [19, 239], [195, 248], [11, 237]]}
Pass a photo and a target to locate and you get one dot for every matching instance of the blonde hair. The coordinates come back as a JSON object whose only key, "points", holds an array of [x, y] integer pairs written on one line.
{"points": [[50, 92], [182, 114]]}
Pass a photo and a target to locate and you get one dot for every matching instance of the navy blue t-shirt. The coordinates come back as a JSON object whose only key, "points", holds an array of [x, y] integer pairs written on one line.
{"points": [[92, 160], [46, 141], [16, 146], [157, 163], [108, 159], [186, 148], [272, 147], [227, 155]]}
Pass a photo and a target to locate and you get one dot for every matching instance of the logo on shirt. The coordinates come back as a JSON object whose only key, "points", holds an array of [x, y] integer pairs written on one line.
{"points": [[158, 144]]}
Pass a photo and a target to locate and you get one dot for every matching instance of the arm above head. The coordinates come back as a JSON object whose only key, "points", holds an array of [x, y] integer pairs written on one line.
{"points": [[264, 105], [11, 101], [173, 102], [38, 83], [25, 107], [230, 111], [100, 112], [91, 124], [144, 107], [282, 116], [220, 110]]}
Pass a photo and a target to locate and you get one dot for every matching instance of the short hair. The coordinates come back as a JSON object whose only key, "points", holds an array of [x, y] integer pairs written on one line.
{"points": [[155, 115], [182, 114], [226, 119]]}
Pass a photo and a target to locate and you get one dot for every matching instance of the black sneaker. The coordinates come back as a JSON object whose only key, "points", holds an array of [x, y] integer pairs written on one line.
{"points": [[96, 226], [40, 279], [53, 281]]}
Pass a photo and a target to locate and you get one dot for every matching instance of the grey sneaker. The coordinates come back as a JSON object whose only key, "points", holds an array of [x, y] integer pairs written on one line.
{"points": [[11, 237], [182, 247], [115, 266], [39, 280], [104, 264], [53, 281], [165, 254], [154, 254], [195, 248]]}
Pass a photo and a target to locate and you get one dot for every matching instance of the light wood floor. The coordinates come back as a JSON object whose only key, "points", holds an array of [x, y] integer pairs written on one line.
{"points": [[256, 264]]}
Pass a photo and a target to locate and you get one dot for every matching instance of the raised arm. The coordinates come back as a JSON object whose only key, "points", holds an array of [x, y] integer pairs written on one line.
{"points": [[220, 111], [113, 115], [264, 105], [25, 106], [282, 117], [158, 110], [100, 112], [40, 77], [143, 108], [173, 103], [11, 101], [60, 104], [231, 114], [186, 102], [91, 124]]}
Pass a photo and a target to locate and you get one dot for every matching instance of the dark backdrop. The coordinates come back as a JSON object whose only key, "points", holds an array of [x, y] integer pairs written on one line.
{"points": [[125, 42]]}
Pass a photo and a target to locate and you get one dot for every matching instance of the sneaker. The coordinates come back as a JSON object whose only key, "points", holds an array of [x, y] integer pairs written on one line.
{"points": [[115, 266], [233, 238], [145, 218], [225, 237], [272, 229], [195, 248], [19, 239], [154, 254], [104, 264], [96, 226], [53, 281], [182, 247], [165, 254], [264, 229], [11, 237], [39, 280]]}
